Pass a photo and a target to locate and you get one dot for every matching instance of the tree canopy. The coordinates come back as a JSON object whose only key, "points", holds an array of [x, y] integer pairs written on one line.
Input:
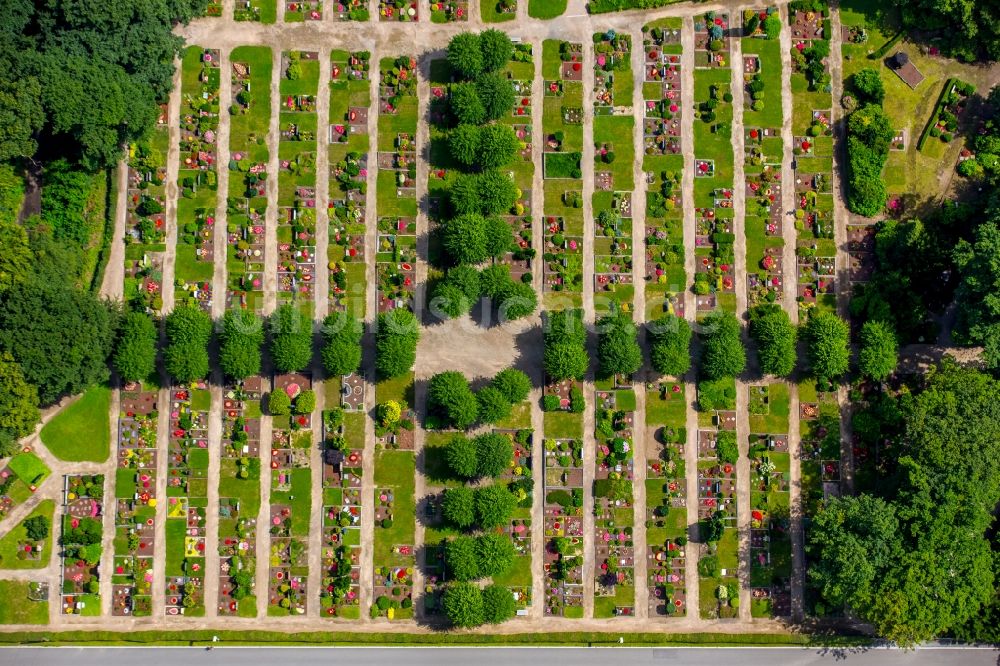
{"points": [[722, 353], [135, 350], [396, 338], [878, 356], [341, 351], [827, 338], [670, 345], [565, 341], [189, 330], [773, 331], [618, 350], [240, 344], [291, 339]]}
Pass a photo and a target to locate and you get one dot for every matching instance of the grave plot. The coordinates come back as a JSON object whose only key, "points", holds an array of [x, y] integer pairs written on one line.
{"points": [[213, 9], [614, 554], [135, 502], [146, 222], [187, 499], [291, 498], [298, 11], [343, 453], [860, 248], [770, 517], [239, 498], [247, 200], [449, 11], [718, 565], [714, 280], [564, 528], [520, 482], [350, 10], [562, 124], [663, 164], [612, 74], [82, 530], [297, 179], [498, 11], [349, 151], [761, 71], [27, 545], [820, 456], [666, 500], [816, 278], [521, 71], [712, 37], [398, 10], [714, 283], [396, 196], [20, 478], [813, 149], [197, 178], [763, 222], [394, 553], [261, 11], [297, 250]]}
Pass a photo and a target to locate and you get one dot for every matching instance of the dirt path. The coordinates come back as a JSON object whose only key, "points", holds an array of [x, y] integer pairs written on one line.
{"points": [[589, 445], [112, 284], [690, 391], [639, 443]]}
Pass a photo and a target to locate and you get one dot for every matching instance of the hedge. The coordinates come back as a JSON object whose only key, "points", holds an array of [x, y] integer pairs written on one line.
{"points": [[935, 111], [402, 637], [885, 48], [605, 6]]}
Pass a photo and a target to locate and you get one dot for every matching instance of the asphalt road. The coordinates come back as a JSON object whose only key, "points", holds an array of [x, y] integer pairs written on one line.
{"points": [[485, 656]]}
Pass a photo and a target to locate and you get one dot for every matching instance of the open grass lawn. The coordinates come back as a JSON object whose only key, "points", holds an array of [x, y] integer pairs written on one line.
{"points": [[247, 491], [436, 467], [709, 145], [399, 389], [176, 528], [82, 431], [248, 131], [563, 425], [17, 608], [10, 541], [546, 9]]}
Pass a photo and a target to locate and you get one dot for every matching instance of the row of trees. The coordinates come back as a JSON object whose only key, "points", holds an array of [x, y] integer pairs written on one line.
{"points": [[451, 400], [464, 286], [189, 332]]}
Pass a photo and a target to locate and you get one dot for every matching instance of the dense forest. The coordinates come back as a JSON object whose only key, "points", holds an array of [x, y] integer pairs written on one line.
{"points": [[78, 81]]}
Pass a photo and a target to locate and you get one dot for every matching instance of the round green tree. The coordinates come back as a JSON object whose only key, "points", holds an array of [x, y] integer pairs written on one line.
{"points": [[450, 398], [722, 353], [499, 237], [464, 239], [827, 338], [465, 104], [463, 144], [494, 453], [461, 558], [341, 351], [774, 333], [463, 460], [463, 604], [465, 55], [878, 356], [494, 506], [498, 146], [450, 300], [513, 384], [396, 338], [458, 506], [497, 95], [493, 405], [618, 351], [189, 330], [240, 344], [496, 191], [497, 49], [498, 604], [670, 345], [495, 553], [135, 351]]}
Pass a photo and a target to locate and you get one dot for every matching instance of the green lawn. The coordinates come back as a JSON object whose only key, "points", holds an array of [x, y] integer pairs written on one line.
{"points": [[82, 431], [17, 608], [563, 425], [29, 468], [489, 13], [546, 9], [9, 542], [395, 469]]}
